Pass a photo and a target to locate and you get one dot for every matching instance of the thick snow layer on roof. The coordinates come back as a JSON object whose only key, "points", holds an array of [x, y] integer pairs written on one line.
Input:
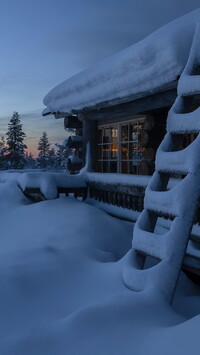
{"points": [[144, 68]]}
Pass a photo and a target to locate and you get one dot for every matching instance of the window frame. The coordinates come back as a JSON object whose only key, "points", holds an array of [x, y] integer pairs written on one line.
{"points": [[119, 160]]}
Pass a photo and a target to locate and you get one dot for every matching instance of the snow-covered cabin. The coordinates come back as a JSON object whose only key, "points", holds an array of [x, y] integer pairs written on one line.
{"points": [[125, 105], [123, 101], [121, 104]]}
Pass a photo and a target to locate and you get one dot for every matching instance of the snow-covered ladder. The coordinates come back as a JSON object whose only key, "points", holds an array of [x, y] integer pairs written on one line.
{"points": [[180, 202]]}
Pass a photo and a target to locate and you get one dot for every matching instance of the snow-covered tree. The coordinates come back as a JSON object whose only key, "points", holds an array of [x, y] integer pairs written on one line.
{"points": [[30, 161], [62, 153], [52, 159], [3, 153], [43, 148], [15, 143]]}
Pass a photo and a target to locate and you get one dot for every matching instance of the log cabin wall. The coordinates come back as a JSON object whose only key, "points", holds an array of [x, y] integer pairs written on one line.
{"points": [[75, 143]]}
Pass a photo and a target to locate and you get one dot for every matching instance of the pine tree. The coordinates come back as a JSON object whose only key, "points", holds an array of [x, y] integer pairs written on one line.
{"points": [[15, 143], [43, 148], [52, 159], [3, 153], [30, 161], [62, 153]]}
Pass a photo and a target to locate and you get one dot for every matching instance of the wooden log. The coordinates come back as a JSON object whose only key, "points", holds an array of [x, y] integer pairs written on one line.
{"points": [[120, 111], [75, 142], [72, 122], [74, 163], [143, 138]]}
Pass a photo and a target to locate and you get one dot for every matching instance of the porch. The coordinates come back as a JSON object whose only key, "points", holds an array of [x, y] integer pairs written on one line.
{"points": [[121, 196]]}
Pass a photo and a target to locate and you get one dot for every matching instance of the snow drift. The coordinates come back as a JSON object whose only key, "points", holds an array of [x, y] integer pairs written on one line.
{"points": [[62, 291]]}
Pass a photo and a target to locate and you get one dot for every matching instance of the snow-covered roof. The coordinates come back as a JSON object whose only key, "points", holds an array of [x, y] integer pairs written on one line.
{"points": [[147, 67]]}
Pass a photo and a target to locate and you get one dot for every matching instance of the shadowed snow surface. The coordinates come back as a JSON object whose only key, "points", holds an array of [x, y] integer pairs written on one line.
{"points": [[62, 292]]}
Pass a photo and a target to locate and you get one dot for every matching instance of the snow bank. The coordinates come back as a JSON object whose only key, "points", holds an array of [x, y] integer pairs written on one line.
{"points": [[62, 291], [144, 68]]}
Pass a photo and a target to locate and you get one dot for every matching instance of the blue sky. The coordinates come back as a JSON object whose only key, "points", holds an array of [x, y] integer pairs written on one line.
{"points": [[44, 42]]}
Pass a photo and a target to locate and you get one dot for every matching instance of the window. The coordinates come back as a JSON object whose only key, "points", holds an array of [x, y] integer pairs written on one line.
{"points": [[123, 147], [108, 149]]}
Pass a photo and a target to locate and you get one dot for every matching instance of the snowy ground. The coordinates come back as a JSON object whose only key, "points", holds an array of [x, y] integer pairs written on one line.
{"points": [[62, 292]]}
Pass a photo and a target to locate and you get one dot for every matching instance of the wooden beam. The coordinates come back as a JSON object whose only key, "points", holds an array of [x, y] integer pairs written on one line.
{"points": [[72, 122], [75, 142], [131, 108]]}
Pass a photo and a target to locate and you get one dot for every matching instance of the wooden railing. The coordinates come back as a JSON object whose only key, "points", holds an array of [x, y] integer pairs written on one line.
{"points": [[36, 195], [130, 197]]}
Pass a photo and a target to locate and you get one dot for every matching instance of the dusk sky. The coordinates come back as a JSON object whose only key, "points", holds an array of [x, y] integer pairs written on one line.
{"points": [[44, 42]]}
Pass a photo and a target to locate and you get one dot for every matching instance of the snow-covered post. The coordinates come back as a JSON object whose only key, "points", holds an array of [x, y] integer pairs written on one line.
{"points": [[90, 130]]}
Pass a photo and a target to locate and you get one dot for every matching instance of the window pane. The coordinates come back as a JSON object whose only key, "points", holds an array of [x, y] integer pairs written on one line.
{"points": [[124, 131], [124, 151], [99, 167], [124, 167], [113, 151], [106, 135], [113, 166], [100, 135], [105, 148], [106, 167], [133, 169], [136, 154], [114, 135], [133, 135], [100, 152]]}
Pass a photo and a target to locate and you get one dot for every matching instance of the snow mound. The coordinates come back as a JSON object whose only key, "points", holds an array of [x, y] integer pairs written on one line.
{"points": [[62, 291]]}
